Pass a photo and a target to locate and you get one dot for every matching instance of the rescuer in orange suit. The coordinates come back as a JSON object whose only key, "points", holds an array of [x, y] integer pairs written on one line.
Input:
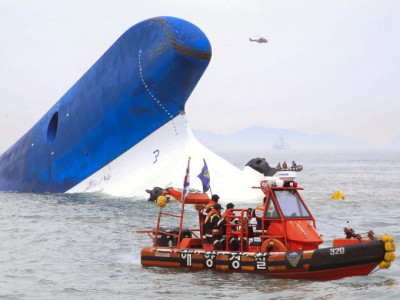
{"points": [[258, 213], [228, 211], [213, 227], [206, 210], [209, 205]]}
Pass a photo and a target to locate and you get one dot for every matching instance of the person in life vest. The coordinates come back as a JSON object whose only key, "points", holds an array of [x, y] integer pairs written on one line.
{"points": [[258, 213], [214, 227], [234, 243], [209, 206], [228, 211], [206, 210], [271, 211], [284, 165]]}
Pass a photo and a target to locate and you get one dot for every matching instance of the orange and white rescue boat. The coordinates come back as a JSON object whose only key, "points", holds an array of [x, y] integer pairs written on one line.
{"points": [[284, 244]]}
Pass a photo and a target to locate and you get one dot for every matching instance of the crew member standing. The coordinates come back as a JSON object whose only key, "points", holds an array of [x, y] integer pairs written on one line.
{"points": [[213, 227], [234, 243], [209, 206], [228, 211], [258, 213]]}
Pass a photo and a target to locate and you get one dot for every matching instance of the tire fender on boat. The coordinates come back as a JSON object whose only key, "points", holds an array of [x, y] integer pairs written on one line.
{"points": [[277, 245]]}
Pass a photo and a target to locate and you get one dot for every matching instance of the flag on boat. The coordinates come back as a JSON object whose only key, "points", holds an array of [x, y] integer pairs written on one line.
{"points": [[205, 177], [186, 183]]}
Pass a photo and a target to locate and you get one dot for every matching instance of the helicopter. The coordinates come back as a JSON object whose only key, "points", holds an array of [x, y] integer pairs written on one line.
{"points": [[261, 40]]}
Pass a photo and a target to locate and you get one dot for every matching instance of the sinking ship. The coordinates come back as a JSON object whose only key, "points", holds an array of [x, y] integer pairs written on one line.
{"points": [[121, 128]]}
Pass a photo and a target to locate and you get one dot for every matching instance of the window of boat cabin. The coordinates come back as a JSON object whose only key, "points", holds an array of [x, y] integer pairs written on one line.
{"points": [[271, 212], [291, 204]]}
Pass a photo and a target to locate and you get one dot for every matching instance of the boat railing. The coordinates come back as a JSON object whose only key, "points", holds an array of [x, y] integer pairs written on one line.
{"points": [[193, 230], [271, 236], [237, 226], [170, 214], [149, 233], [153, 233], [158, 231]]}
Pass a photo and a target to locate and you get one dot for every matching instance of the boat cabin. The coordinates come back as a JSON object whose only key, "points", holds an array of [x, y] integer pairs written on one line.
{"points": [[286, 216]]}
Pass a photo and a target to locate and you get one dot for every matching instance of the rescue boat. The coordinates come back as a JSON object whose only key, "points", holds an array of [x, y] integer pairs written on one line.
{"points": [[285, 242]]}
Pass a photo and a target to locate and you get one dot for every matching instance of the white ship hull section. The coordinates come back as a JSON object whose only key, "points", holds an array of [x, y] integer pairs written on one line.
{"points": [[160, 160]]}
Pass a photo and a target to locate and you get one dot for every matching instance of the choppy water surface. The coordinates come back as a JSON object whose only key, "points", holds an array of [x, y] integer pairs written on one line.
{"points": [[85, 246]]}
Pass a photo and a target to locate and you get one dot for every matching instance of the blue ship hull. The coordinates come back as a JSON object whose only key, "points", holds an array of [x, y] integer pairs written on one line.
{"points": [[142, 82]]}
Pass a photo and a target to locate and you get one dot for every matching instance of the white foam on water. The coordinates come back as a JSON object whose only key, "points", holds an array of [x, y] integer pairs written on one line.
{"points": [[129, 258]]}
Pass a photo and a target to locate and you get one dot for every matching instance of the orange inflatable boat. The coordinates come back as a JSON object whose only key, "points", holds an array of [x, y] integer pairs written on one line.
{"points": [[281, 241]]}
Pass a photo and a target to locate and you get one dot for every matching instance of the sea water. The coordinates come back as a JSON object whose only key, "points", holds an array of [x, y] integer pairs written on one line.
{"points": [[85, 246]]}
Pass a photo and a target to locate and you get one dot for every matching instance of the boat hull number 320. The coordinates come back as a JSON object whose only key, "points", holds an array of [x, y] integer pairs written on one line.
{"points": [[336, 251]]}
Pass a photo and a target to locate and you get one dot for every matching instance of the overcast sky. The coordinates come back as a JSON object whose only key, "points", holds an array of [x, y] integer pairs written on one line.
{"points": [[329, 66]]}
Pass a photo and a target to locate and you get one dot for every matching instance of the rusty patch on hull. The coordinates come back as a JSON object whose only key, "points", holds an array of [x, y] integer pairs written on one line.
{"points": [[177, 44]]}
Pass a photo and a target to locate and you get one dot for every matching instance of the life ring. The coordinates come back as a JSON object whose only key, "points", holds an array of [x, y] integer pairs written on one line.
{"points": [[277, 245]]}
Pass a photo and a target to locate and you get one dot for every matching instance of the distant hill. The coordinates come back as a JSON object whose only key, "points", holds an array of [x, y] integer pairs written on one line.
{"points": [[257, 137]]}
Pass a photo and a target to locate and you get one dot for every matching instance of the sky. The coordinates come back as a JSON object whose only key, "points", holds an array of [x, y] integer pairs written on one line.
{"points": [[328, 66]]}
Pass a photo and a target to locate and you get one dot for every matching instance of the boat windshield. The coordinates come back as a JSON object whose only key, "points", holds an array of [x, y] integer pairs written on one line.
{"points": [[271, 213], [291, 204]]}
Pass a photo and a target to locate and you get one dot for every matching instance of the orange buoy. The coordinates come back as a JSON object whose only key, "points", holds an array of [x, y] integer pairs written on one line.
{"points": [[277, 245]]}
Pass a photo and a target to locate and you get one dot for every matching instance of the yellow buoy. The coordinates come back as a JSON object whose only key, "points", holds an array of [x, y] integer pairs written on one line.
{"points": [[161, 201], [337, 195], [390, 247], [389, 256], [384, 264], [386, 238]]}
